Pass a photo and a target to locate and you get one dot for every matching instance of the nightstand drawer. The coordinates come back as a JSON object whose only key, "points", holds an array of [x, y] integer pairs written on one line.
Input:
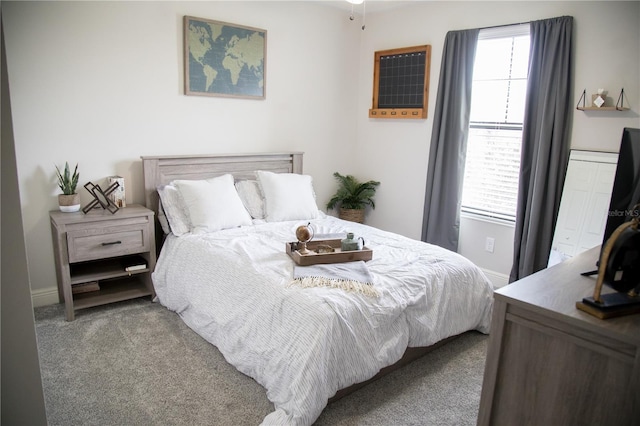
{"points": [[111, 241]]}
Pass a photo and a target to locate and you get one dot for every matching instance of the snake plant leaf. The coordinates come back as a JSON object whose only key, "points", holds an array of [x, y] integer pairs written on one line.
{"points": [[67, 182]]}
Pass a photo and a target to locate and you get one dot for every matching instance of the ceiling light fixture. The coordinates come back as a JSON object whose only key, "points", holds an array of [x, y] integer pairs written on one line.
{"points": [[353, 2]]}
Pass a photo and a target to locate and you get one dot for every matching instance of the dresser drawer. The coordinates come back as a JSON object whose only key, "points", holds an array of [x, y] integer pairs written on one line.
{"points": [[114, 239]]}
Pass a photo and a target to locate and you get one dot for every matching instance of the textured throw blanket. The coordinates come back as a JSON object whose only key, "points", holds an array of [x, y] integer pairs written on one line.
{"points": [[348, 276]]}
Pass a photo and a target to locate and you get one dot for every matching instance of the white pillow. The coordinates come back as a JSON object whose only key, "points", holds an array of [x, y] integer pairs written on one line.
{"points": [[174, 209], [162, 218], [213, 204], [252, 198], [288, 196]]}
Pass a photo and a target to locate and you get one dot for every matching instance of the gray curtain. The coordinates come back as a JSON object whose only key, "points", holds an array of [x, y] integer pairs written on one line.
{"points": [[441, 220], [545, 143]]}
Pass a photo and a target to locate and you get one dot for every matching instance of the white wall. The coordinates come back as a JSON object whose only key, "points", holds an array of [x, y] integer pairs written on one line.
{"points": [[396, 152], [100, 83]]}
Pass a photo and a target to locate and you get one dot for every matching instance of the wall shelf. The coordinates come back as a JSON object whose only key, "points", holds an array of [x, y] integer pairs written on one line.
{"points": [[618, 107], [601, 109]]}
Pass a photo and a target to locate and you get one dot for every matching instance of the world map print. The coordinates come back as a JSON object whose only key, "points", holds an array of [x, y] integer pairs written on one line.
{"points": [[224, 59]]}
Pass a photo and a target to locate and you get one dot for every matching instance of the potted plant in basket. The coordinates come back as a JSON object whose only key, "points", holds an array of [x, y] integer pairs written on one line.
{"points": [[69, 200], [352, 197]]}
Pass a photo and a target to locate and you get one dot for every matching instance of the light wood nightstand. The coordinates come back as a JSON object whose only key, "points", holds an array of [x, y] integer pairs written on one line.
{"points": [[94, 249]]}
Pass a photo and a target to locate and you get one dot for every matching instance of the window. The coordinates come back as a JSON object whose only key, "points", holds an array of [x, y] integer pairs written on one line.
{"points": [[495, 129]]}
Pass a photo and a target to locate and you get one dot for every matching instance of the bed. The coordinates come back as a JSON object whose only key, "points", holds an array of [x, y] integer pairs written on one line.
{"points": [[234, 285]]}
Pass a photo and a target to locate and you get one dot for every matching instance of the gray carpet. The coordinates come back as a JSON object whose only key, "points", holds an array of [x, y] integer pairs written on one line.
{"points": [[136, 363]]}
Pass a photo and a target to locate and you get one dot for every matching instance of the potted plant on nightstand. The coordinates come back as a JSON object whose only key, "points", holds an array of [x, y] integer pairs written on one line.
{"points": [[69, 200], [352, 197]]}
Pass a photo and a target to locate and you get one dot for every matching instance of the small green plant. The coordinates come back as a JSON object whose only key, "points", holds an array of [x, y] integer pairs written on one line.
{"points": [[353, 194], [66, 181]]}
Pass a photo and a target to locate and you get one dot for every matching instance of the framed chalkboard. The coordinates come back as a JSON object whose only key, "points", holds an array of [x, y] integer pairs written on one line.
{"points": [[401, 83]]}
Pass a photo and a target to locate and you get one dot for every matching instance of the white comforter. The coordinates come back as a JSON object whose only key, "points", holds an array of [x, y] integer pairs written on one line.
{"points": [[303, 345]]}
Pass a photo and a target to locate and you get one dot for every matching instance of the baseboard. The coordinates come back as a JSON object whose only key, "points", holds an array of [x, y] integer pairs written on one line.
{"points": [[44, 297], [497, 279]]}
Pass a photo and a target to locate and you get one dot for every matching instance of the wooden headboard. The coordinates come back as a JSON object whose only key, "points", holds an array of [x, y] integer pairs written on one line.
{"points": [[160, 170]]}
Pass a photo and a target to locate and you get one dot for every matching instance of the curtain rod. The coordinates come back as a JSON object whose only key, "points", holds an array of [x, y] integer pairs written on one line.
{"points": [[522, 23], [504, 25]]}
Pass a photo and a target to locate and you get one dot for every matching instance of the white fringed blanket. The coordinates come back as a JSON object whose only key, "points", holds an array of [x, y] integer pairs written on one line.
{"points": [[349, 276]]}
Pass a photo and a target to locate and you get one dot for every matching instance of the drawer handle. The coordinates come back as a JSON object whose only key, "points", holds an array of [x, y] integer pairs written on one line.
{"points": [[112, 243]]}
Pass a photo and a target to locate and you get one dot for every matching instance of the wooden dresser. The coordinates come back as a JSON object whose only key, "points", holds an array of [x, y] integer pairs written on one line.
{"points": [[550, 364]]}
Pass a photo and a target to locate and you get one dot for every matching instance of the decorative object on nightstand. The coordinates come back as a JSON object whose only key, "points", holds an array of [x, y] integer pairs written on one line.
{"points": [[118, 195], [69, 200], [101, 198], [103, 258], [352, 197]]}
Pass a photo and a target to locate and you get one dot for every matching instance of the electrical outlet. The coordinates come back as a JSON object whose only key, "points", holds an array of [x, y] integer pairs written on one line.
{"points": [[489, 243]]}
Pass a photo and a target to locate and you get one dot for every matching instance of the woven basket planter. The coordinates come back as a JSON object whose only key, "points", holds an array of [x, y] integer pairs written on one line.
{"points": [[69, 203], [353, 215]]}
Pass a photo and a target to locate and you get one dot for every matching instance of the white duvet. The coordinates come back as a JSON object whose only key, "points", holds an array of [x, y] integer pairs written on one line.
{"points": [[304, 344]]}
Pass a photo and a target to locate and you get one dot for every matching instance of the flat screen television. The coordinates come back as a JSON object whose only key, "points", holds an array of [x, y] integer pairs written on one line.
{"points": [[626, 184], [623, 265]]}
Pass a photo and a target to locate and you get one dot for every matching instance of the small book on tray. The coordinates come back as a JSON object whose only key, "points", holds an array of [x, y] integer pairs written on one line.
{"points": [[136, 263]]}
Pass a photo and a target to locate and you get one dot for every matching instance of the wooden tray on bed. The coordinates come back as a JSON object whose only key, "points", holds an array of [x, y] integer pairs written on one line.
{"points": [[338, 256]]}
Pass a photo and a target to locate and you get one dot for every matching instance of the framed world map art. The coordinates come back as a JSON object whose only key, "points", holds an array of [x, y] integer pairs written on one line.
{"points": [[222, 59]]}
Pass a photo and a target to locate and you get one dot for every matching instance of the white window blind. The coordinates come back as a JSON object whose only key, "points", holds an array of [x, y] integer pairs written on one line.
{"points": [[495, 130]]}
